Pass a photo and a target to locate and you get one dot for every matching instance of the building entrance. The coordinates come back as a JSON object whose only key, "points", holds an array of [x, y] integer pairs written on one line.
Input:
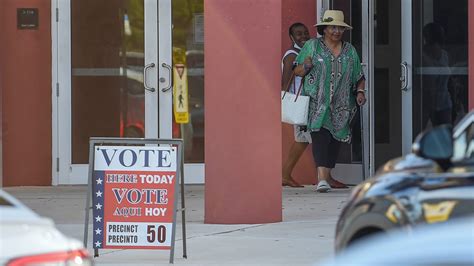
{"points": [[415, 57], [113, 73]]}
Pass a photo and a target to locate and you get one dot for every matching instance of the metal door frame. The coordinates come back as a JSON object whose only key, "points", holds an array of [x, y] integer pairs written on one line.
{"points": [[407, 103], [368, 109]]}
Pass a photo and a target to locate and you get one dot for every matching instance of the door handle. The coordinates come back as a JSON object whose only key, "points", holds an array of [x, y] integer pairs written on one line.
{"points": [[148, 88], [404, 76], [162, 79]]}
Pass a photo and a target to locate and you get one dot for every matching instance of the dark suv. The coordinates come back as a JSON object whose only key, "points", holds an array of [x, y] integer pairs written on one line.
{"points": [[433, 184]]}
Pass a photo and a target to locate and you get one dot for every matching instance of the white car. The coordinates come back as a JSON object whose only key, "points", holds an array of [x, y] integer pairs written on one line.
{"points": [[28, 239], [448, 243]]}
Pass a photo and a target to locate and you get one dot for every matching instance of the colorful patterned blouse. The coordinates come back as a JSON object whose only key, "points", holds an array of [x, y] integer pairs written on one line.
{"points": [[331, 85]]}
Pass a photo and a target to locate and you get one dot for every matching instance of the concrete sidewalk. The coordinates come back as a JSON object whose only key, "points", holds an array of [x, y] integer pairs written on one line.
{"points": [[305, 236]]}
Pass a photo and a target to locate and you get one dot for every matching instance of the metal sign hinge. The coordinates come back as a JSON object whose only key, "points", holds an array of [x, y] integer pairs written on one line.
{"points": [[57, 164], [57, 14], [57, 89]]}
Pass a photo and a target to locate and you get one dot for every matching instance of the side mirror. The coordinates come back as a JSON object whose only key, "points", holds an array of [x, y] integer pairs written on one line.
{"points": [[435, 144]]}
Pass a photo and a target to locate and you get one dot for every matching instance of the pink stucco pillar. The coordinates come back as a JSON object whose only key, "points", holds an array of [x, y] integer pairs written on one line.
{"points": [[243, 130], [25, 56], [471, 54]]}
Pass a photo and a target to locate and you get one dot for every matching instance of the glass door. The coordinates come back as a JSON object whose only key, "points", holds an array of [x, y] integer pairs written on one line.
{"points": [[420, 71], [352, 164], [188, 73], [387, 114], [376, 34], [390, 82], [415, 56], [111, 77], [439, 42]]}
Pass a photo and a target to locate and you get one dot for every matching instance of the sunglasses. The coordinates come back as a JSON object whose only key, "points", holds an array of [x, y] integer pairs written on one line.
{"points": [[336, 28]]}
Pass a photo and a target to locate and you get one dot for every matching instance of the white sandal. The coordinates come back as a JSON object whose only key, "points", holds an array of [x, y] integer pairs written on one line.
{"points": [[323, 186]]}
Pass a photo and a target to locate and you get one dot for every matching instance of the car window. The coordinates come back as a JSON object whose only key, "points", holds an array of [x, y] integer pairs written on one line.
{"points": [[464, 145], [5, 202]]}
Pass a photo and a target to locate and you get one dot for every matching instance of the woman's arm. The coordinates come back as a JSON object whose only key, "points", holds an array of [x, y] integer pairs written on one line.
{"points": [[287, 70], [358, 78], [303, 69], [360, 96], [303, 60]]}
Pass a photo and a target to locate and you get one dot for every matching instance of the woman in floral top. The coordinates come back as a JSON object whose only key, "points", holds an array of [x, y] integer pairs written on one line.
{"points": [[335, 83]]}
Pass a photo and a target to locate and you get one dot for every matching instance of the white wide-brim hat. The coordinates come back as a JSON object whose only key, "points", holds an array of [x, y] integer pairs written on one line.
{"points": [[333, 17]]}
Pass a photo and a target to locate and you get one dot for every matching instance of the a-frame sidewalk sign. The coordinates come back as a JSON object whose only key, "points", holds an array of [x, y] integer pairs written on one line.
{"points": [[133, 186]]}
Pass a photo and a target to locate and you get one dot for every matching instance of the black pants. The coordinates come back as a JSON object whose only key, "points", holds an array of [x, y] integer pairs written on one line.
{"points": [[325, 148]]}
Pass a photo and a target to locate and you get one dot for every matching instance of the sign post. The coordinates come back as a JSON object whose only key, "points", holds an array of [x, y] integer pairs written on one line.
{"points": [[134, 186]]}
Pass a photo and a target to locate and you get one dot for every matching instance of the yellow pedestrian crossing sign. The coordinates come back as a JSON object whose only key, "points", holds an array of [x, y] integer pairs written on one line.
{"points": [[180, 94]]}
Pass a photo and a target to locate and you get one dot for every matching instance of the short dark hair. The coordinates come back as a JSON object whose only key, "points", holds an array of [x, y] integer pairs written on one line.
{"points": [[320, 29], [293, 26]]}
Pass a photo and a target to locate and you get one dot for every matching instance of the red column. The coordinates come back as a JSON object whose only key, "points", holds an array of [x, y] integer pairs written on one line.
{"points": [[471, 54], [26, 95], [243, 130], [2, 39]]}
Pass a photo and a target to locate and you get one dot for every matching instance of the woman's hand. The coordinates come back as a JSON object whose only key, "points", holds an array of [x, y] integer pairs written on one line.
{"points": [[361, 98], [308, 61], [307, 64], [303, 69]]}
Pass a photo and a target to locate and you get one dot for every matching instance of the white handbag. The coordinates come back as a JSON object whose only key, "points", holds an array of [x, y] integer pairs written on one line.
{"points": [[294, 107]]}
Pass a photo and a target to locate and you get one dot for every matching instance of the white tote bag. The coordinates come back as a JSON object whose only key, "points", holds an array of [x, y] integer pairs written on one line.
{"points": [[294, 107]]}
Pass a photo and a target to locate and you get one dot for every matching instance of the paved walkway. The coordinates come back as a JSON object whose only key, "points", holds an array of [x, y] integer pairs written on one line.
{"points": [[305, 236]]}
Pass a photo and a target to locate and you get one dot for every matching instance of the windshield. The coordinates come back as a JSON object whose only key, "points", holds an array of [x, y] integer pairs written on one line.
{"points": [[5, 202], [464, 145]]}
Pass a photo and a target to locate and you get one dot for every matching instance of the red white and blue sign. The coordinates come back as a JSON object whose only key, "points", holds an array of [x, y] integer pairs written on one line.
{"points": [[134, 196]]}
